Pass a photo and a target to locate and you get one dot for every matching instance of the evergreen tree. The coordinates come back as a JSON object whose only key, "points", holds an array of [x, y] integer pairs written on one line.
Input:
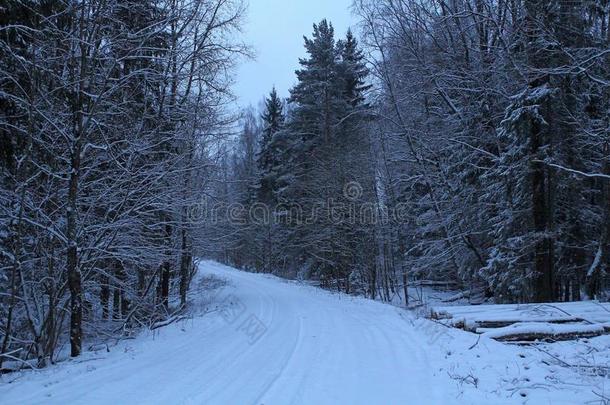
{"points": [[268, 156], [354, 70], [326, 150]]}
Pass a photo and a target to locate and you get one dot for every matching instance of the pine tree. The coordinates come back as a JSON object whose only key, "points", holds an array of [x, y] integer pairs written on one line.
{"points": [[268, 156], [354, 70], [326, 149]]}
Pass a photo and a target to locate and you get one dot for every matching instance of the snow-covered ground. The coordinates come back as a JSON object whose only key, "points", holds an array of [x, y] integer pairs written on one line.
{"points": [[263, 340]]}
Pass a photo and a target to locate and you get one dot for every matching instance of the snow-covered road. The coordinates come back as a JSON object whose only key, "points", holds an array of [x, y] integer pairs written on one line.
{"points": [[317, 347], [270, 341]]}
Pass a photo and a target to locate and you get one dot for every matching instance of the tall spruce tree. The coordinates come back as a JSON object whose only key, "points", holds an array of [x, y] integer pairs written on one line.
{"points": [[268, 155], [355, 70], [326, 151]]}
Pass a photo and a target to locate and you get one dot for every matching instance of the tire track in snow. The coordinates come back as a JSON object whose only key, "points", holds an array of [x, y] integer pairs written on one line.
{"points": [[285, 364]]}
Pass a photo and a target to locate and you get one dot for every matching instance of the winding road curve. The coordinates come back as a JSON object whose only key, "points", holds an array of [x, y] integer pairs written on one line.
{"points": [[269, 341]]}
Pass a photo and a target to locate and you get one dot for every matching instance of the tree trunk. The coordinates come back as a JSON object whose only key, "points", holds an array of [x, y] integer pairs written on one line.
{"points": [[543, 256], [165, 273], [74, 274], [540, 176], [185, 266], [600, 262], [105, 297], [116, 303]]}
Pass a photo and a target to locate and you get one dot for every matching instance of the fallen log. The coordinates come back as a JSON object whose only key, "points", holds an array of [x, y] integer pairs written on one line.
{"points": [[456, 297], [536, 331], [500, 323], [475, 325], [447, 285]]}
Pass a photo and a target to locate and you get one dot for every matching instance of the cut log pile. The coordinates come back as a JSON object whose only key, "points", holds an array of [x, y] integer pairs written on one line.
{"points": [[527, 323]]}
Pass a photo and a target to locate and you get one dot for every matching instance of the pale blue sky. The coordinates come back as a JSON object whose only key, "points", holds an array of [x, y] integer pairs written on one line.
{"points": [[275, 29]]}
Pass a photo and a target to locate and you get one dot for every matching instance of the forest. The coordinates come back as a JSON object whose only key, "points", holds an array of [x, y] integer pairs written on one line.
{"points": [[458, 141], [438, 142]]}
